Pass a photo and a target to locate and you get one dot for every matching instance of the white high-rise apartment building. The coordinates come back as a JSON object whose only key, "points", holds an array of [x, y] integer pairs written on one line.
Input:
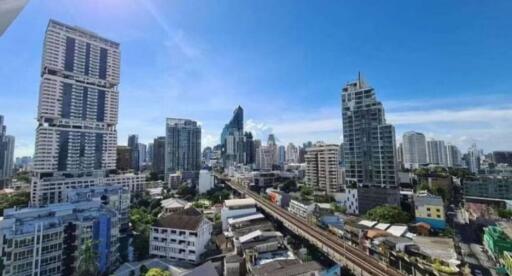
{"points": [[453, 156], [436, 152], [292, 154], [76, 137], [322, 167], [414, 149], [473, 158]]}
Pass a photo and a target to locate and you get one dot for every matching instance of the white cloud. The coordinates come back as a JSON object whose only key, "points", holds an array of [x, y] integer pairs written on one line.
{"points": [[259, 130], [450, 116], [209, 140], [490, 128]]}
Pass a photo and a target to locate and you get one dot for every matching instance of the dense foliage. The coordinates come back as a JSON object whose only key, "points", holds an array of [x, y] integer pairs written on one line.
{"points": [[388, 214], [143, 214], [157, 272], [18, 199], [444, 172], [23, 176], [505, 213], [87, 264], [217, 195]]}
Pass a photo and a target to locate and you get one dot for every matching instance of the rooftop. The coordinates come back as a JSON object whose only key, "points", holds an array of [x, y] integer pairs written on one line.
{"points": [[287, 268], [435, 247], [188, 219], [239, 202], [175, 203], [249, 217], [368, 223]]}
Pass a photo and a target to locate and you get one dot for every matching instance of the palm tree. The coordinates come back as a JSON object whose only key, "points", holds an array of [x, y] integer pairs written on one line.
{"points": [[87, 263]]}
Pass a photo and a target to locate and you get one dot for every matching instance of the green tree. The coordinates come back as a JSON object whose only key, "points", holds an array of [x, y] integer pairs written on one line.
{"points": [[289, 186], [338, 208], [448, 232], [388, 214], [87, 263], [23, 177], [14, 200], [141, 243], [143, 269], [306, 192], [504, 213], [157, 272]]}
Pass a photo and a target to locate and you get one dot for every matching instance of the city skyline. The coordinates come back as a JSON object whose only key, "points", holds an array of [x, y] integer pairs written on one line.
{"points": [[210, 78]]}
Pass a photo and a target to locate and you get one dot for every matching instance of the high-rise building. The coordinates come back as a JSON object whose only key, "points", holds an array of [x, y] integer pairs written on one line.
{"points": [[149, 154], [502, 157], [281, 155], [292, 153], [322, 168], [158, 163], [249, 149], [414, 149], [6, 155], [473, 158], [232, 139], [124, 158], [400, 156], [453, 156], [142, 154], [133, 143], [76, 137], [266, 158], [369, 150], [272, 145], [182, 148], [436, 152]]}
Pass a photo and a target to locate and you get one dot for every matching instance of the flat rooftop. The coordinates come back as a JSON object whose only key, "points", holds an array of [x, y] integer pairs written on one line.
{"points": [[239, 202]]}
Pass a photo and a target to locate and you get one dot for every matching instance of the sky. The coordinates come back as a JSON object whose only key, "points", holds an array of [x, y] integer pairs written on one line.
{"points": [[439, 67]]}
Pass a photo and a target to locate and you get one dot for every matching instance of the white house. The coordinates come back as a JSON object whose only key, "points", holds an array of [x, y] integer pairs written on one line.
{"points": [[180, 236]]}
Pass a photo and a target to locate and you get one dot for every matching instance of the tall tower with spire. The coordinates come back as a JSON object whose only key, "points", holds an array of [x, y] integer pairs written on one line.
{"points": [[368, 149]]}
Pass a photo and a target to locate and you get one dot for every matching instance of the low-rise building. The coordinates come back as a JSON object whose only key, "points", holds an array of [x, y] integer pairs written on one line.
{"points": [[279, 198], [52, 189], [115, 197], [58, 232], [489, 187], [301, 209], [236, 207], [289, 268], [172, 205], [181, 236], [430, 209]]}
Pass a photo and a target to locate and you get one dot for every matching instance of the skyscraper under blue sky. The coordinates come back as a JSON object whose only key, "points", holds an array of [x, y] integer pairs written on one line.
{"points": [[442, 68]]}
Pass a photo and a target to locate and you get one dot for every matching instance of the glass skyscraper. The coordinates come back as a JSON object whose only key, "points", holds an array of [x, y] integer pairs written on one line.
{"points": [[232, 139], [182, 148], [6, 155]]}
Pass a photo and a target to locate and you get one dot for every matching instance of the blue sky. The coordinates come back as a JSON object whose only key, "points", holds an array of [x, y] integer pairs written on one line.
{"points": [[440, 67]]}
